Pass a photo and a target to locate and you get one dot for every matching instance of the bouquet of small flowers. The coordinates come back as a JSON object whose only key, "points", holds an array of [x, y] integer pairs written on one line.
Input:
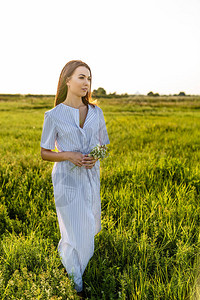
{"points": [[98, 152]]}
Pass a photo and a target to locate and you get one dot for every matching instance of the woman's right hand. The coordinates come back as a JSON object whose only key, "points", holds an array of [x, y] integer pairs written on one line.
{"points": [[76, 158]]}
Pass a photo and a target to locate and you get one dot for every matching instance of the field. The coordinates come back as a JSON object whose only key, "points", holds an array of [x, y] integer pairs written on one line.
{"points": [[149, 244]]}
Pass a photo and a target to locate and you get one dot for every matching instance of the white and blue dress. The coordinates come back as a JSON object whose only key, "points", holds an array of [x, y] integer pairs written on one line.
{"points": [[77, 191]]}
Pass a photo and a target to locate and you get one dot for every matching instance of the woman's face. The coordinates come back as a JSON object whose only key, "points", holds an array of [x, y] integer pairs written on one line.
{"points": [[80, 81]]}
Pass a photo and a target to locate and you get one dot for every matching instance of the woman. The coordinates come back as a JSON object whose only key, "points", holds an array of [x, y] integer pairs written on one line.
{"points": [[75, 126]]}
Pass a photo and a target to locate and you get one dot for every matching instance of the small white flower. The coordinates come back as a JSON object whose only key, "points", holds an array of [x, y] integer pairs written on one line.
{"points": [[99, 151]]}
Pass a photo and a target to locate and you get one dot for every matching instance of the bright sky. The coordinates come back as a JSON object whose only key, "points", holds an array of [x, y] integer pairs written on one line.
{"points": [[130, 45]]}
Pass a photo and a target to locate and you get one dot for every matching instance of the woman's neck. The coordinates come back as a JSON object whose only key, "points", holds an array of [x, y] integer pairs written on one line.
{"points": [[76, 102]]}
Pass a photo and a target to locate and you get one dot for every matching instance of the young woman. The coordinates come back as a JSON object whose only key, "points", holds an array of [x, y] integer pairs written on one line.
{"points": [[75, 126]]}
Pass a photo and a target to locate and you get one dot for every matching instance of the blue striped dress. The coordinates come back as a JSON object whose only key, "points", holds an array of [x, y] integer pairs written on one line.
{"points": [[77, 191]]}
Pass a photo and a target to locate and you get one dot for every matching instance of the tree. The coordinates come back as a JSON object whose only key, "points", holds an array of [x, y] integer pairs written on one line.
{"points": [[150, 94], [100, 92], [182, 94]]}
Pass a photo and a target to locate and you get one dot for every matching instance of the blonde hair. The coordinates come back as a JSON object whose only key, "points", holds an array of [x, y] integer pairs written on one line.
{"points": [[62, 88]]}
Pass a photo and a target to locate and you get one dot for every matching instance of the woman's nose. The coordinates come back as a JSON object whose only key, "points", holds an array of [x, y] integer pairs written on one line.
{"points": [[87, 81]]}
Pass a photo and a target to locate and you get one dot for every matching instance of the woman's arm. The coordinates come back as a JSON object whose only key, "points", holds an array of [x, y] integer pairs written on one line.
{"points": [[49, 155], [75, 157]]}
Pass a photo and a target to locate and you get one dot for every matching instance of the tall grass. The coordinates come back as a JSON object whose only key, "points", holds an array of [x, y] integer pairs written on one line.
{"points": [[149, 244]]}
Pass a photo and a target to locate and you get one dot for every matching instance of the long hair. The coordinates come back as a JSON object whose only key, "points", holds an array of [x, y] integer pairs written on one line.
{"points": [[62, 88]]}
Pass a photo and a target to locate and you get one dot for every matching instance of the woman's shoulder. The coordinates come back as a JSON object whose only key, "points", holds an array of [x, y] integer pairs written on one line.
{"points": [[99, 111], [53, 111], [96, 107]]}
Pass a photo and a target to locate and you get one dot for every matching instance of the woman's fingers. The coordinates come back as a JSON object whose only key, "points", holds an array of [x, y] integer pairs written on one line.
{"points": [[88, 158], [78, 163], [89, 162]]}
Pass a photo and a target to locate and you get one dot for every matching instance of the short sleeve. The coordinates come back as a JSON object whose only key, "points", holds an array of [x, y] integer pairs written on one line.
{"points": [[103, 134], [48, 133]]}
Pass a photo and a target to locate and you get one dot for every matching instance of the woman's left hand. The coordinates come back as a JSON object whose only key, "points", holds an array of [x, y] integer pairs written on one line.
{"points": [[88, 161]]}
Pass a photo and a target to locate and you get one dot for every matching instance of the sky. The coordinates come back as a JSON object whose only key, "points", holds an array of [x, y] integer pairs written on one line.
{"points": [[131, 46]]}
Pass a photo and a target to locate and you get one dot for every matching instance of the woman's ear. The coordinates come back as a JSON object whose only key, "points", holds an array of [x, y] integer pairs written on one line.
{"points": [[68, 81]]}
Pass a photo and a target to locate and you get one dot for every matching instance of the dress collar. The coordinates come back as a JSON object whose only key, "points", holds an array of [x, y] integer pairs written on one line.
{"points": [[89, 118]]}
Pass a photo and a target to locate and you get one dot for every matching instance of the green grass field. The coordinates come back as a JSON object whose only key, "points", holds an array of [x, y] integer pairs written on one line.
{"points": [[149, 244]]}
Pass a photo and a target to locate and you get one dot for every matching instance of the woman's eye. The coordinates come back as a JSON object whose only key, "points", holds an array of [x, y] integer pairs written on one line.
{"points": [[83, 78]]}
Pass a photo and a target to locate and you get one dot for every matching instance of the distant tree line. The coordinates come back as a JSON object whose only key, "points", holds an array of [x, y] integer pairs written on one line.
{"points": [[98, 93], [156, 94], [101, 93]]}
